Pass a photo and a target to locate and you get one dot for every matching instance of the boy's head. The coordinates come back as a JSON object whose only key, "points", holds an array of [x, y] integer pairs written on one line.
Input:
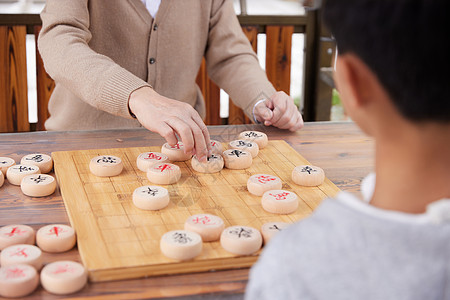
{"points": [[404, 44]]}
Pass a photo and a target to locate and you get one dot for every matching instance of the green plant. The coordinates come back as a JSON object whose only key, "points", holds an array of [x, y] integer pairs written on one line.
{"points": [[336, 99]]}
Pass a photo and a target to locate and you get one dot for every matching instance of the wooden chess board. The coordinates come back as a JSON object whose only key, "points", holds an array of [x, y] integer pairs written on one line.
{"points": [[116, 240]]}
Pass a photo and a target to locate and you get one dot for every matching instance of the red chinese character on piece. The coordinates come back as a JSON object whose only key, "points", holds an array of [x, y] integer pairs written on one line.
{"points": [[205, 220], [281, 196], [56, 230], [164, 167], [15, 273], [15, 230], [177, 146], [64, 269], [213, 144], [20, 252], [152, 155], [264, 178]]}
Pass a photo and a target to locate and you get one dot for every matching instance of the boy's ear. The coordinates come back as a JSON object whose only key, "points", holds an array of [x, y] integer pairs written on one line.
{"points": [[354, 80]]}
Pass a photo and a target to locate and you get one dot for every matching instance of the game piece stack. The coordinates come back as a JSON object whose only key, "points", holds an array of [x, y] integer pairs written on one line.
{"points": [[22, 264], [30, 174]]}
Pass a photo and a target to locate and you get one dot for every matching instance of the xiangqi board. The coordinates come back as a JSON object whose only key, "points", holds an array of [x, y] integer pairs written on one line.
{"points": [[117, 240]]}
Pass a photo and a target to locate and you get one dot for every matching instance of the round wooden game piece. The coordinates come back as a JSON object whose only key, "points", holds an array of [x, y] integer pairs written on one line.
{"points": [[255, 136], [43, 161], [106, 166], [260, 183], [245, 145], [16, 234], [18, 280], [63, 277], [5, 163], [279, 201], [150, 197], [213, 164], [181, 244], [2, 179], [22, 254], [147, 159], [38, 185], [164, 173], [236, 159], [56, 238], [208, 226], [216, 147], [16, 173], [308, 175], [175, 153], [268, 230], [241, 240]]}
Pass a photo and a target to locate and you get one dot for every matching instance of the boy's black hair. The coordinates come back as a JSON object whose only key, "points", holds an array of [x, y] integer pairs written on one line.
{"points": [[405, 44]]}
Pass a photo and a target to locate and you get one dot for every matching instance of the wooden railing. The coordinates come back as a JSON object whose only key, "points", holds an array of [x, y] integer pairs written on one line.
{"points": [[278, 29], [13, 74]]}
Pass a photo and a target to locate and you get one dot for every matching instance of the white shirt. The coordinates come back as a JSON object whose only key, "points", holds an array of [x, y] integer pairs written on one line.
{"points": [[436, 212], [152, 6], [348, 249]]}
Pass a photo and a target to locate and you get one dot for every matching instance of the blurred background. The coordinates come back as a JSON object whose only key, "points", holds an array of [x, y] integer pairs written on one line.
{"points": [[257, 15]]}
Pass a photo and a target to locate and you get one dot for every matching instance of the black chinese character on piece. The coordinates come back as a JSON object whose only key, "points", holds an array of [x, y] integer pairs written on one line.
{"points": [[308, 169], [236, 152], [107, 159], [181, 238], [212, 157], [38, 179], [36, 158], [151, 191], [24, 169], [275, 227], [241, 232], [251, 134]]}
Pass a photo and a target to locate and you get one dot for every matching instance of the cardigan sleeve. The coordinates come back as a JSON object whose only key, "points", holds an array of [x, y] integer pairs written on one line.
{"points": [[230, 60], [64, 46]]}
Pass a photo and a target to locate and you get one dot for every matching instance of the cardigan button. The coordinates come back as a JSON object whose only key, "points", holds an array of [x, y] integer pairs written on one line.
{"points": [[152, 60], [155, 27]]}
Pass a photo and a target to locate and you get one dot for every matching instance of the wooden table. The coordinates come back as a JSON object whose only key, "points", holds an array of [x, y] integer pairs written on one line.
{"points": [[341, 149]]}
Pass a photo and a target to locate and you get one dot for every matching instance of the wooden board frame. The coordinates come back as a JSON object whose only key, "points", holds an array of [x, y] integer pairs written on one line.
{"points": [[116, 240]]}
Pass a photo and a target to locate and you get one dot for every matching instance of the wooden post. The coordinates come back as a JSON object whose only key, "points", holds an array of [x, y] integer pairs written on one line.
{"points": [[325, 83], [214, 105], [13, 79], [278, 56], [235, 114], [44, 84], [311, 65], [211, 94]]}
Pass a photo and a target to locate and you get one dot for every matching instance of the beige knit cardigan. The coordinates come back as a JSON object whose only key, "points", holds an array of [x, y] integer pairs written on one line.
{"points": [[100, 51]]}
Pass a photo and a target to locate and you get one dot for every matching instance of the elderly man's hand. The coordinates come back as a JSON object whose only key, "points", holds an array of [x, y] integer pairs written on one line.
{"points": [[279, 111], [169, 117]]}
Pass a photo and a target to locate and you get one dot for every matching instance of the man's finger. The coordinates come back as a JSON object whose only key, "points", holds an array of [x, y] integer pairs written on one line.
{"points": [[263, 112], [286, 120], [268, 114], [277, 114], [204, 130], [200, 145], [184, 131], [269, 103], [167, 133], [299, 124]]}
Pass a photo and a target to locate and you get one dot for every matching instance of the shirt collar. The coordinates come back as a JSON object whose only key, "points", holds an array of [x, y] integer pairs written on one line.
{"points": [[437, 212]]}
